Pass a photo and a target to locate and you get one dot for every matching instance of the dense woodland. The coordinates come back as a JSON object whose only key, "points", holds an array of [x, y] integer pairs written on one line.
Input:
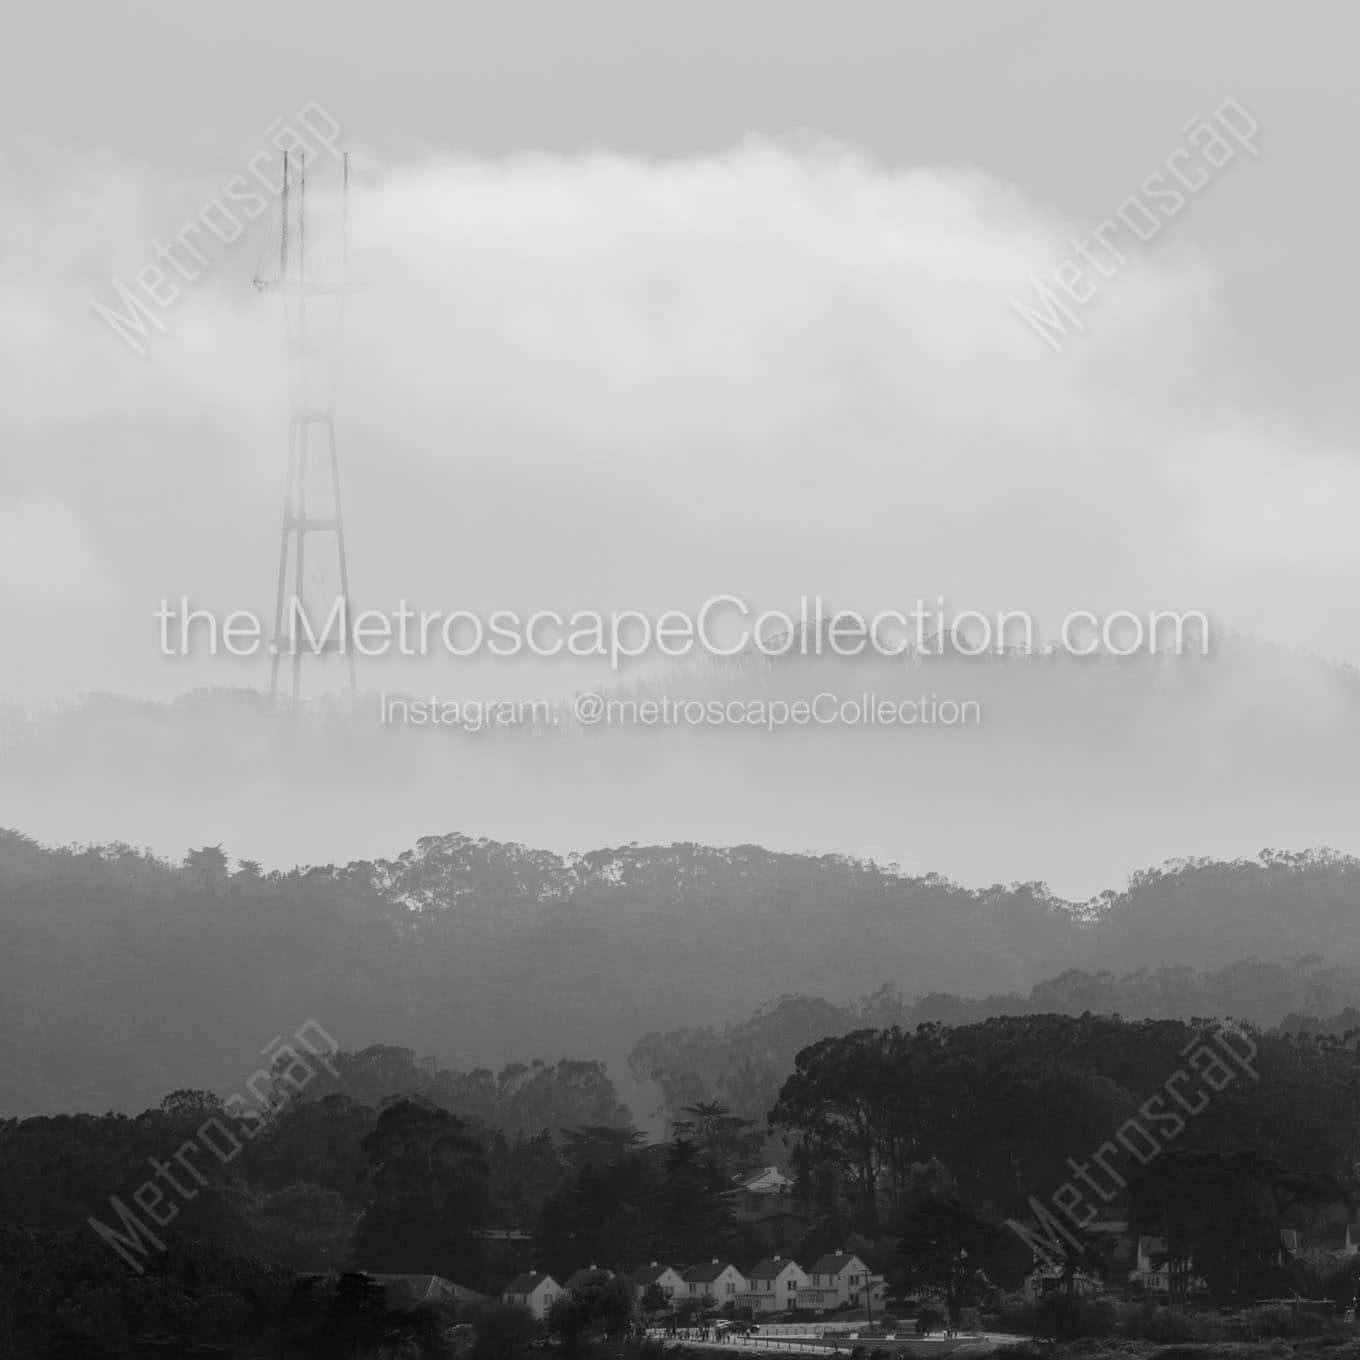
{"points": [[744, 1064], [887, 1130], [437, 1145], [124, 976]]}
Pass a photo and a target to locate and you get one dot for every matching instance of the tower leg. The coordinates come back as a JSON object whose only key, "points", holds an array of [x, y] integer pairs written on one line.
{"points": [[276, 654], [300, 559], [340, 548]]}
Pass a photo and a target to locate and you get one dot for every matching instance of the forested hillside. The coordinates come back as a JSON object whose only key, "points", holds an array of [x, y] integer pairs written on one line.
{"points": [[743, 1064], [123, 976], [386, 1166]]}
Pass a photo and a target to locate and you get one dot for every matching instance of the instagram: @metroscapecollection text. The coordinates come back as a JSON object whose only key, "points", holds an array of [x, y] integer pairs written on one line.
{"points": [[591, 709]]}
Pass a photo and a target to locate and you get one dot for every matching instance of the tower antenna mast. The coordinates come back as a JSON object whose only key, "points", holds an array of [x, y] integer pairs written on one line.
{"points": [[313, 361]]}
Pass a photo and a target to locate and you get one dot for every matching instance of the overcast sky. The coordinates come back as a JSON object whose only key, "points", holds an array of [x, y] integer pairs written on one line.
{"points": [[665, 301]]}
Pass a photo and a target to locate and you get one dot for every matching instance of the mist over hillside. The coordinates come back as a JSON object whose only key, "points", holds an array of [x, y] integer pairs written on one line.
{"points": [[743, 1065], [1223, 755], [125, 977]]}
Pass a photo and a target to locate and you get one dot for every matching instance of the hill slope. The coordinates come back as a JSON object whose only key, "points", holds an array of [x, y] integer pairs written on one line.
{"points": [[124, 977]]}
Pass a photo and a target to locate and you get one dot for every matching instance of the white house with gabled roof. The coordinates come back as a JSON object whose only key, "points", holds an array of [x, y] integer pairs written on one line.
{"points": [[533, 1290], [666, 1278], [719, 1280], [584, 1276], [772, 1285], [835, 1279]]}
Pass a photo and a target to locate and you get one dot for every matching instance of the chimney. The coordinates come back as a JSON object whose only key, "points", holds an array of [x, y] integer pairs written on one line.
{"points": [[715, 1260], [778, 1258], [653, 1264]]}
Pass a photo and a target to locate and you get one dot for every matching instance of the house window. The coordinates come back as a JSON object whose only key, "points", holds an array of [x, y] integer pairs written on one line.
{"points": [[793, 1284], [731, 1288]]}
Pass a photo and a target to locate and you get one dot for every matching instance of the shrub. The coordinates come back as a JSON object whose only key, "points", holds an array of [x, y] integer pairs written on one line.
{"points": [[1277, 1320], [1340, 1286], [1168, 1326], [1066, 1316], [1340, 1338], [1013, 1312], [929, 1319], [1224, 1351], [503, 1332], [1024, 1350]]}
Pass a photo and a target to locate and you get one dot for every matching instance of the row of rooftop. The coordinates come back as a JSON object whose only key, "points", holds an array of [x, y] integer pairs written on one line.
{"points": [[773, 1285]]}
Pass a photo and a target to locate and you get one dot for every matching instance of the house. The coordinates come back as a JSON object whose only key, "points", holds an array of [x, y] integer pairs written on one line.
{"points": [[579, 1277], [1352, 1242], [756, 1194], [666, 1278], [836, 1279], [772, 1286], [1153, 1271], [719, 1281], [411, 1291], [763, 1199], [534, 1291], [769, 1180], [1048, 1276], [1109, 1257], [1158, 1272]]}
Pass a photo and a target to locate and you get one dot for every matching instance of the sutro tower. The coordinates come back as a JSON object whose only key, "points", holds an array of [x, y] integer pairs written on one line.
{"points": [[314, 314]]}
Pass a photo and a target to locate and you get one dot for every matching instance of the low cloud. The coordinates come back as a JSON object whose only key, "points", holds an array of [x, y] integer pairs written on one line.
{"points": [[597, 381]]}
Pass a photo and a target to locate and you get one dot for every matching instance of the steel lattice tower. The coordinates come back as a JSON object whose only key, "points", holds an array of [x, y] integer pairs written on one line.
{"points": [[313, 358]]}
